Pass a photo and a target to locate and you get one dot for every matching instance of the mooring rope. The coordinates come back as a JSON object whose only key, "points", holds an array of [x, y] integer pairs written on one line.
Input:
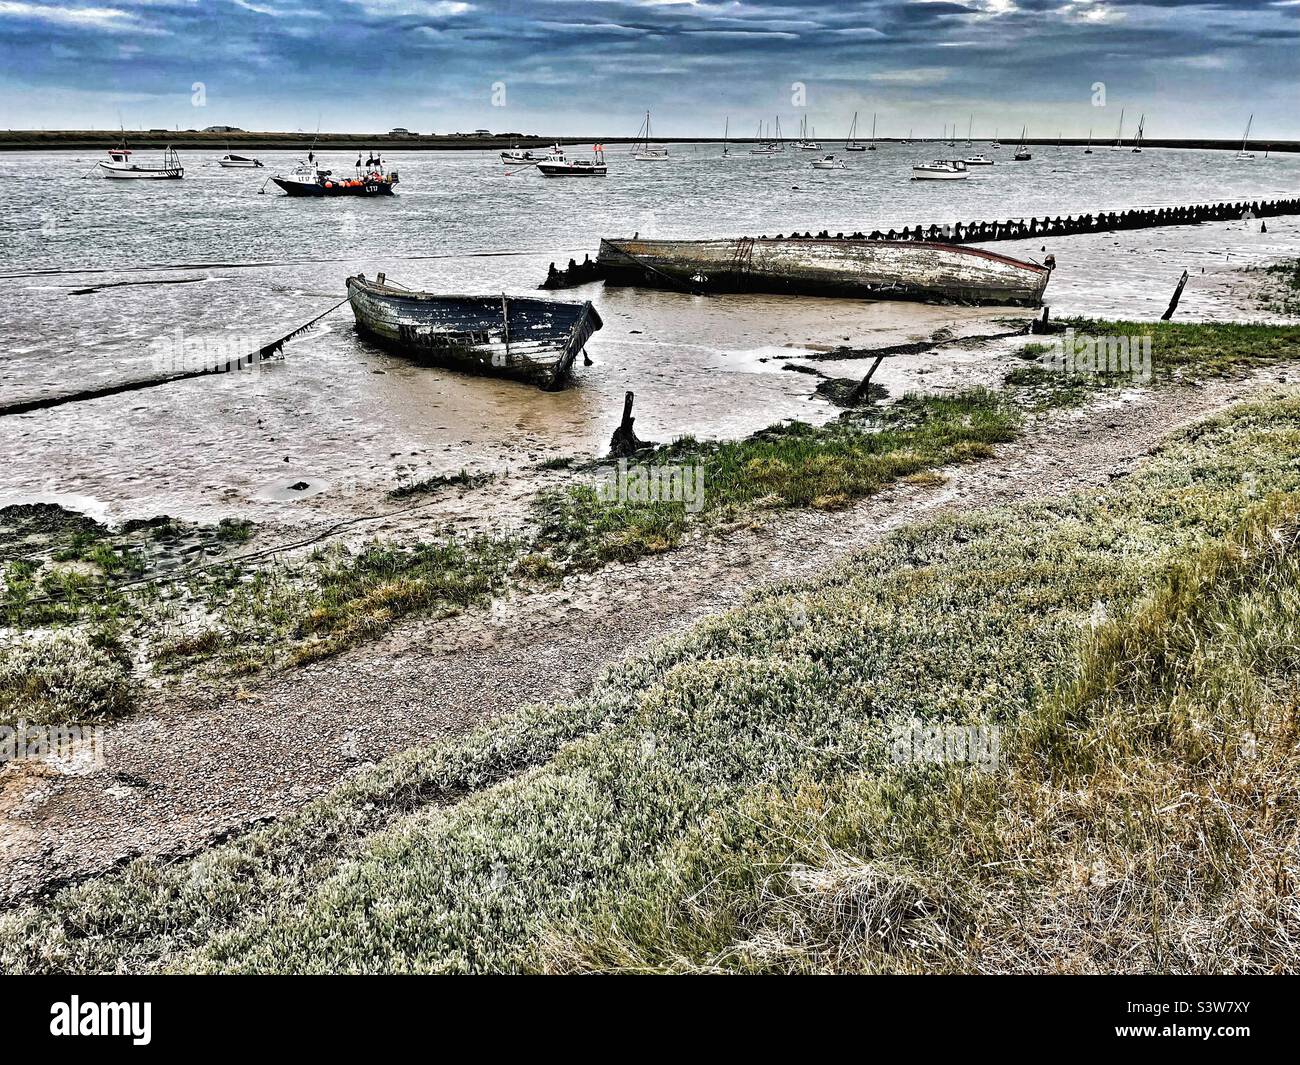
{"points": [[266, 351]]}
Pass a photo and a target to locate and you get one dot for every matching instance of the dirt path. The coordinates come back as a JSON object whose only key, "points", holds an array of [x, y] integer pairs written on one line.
{"points": [[199, 764]]}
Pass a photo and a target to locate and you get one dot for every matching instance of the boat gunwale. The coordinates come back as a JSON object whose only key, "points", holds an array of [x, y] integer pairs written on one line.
{"points": [[375, 289]]}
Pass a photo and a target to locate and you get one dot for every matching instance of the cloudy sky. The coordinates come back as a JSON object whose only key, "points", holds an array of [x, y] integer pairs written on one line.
{"points": [[592, 66]]}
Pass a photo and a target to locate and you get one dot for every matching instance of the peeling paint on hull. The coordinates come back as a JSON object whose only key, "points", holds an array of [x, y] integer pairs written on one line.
{"points": [[859, 269], [525, 339]]}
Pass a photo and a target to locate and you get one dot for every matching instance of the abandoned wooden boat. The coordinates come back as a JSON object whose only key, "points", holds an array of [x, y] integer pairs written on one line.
{"points": [[523, 338], [845, 267]]}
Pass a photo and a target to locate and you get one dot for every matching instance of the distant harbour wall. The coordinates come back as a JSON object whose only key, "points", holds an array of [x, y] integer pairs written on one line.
{"points": [[83, 140]]}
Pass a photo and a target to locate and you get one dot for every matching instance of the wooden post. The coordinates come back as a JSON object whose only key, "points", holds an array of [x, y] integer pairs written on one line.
{"points": [[1173, 303], [863, 391], [624, 442]]}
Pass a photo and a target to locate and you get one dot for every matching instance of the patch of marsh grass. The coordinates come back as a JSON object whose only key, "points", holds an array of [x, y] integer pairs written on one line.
{"points": [[726, 800]]}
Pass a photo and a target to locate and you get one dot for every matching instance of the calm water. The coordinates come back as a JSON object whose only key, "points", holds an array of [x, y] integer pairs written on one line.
{"points": [[343, 414]]}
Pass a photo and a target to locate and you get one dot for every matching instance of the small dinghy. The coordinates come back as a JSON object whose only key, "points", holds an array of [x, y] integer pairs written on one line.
{"points": [[230, 161], [523, 338], [120, 165]]}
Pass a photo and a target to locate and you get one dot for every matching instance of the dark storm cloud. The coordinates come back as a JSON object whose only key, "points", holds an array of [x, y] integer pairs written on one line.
{"points": [[433, 63]]}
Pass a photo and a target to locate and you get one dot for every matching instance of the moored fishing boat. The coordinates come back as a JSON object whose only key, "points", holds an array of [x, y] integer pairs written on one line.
{"points": [[308, 179], [593, 167], [119, 165], [844, 267], [521, 338]]}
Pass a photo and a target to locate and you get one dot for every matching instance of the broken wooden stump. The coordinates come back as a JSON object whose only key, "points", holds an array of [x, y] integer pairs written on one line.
{"points": [[624, 443], [863, 391]]}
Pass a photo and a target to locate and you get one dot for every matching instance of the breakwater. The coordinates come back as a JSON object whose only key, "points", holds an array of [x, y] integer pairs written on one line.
{"points": [[1103, 222]]}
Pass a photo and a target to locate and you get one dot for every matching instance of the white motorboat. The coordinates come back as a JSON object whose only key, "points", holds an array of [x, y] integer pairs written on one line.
{"points": [[120, 165], [515, 155], [977, 160], [828, 162], [940, 170], [230, 161], [645, 152]]}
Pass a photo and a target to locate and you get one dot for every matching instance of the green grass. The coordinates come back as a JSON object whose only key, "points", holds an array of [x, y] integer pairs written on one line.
{"points": [[1283, 293], [791, 465], [725, 801], [268, 615], [428, 485]]}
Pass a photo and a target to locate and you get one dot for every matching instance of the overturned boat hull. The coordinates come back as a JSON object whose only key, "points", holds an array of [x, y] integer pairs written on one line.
{"points": [[522, 338], [843, 267]]}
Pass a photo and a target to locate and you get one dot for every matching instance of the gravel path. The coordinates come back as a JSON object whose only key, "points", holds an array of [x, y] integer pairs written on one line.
{"points": [[203, 763]]}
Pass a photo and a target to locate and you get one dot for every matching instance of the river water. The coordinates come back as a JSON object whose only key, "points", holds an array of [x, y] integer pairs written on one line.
{"points": [[106, 281]]}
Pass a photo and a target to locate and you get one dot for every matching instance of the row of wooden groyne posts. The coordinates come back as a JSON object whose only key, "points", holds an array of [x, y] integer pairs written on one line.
{"points": [[1012, 229]]}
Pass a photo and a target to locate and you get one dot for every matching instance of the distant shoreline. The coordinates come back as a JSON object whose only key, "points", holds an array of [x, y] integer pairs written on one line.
{"points": [[35, 140]]}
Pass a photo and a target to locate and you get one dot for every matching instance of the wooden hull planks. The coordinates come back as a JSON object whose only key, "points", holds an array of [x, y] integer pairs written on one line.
{"points": [[521, 338], [859, 269]]}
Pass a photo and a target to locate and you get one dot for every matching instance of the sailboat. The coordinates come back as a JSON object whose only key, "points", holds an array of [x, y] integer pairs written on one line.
{"points": [[764, 146], [642, 150], [804, 144], [726, 128], [872, 146], [1119, 136], [1241, 152], [1022, 153], [909, 137], [1137, 144], [1088, 150], [852, 145]]}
